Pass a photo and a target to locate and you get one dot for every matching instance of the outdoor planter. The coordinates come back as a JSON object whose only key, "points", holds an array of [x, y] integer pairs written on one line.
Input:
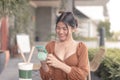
{"points": [[4, 58], [2, 61]]}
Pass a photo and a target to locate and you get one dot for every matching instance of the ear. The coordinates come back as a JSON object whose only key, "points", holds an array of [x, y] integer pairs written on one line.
{"points": [[74, 29]]}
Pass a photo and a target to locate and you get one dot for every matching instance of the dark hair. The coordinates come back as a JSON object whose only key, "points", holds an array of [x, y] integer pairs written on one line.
{"points": [[67, 18]]}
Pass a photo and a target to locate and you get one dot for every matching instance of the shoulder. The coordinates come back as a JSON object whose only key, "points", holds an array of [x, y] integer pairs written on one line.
{"points": [[82, 47], [50, 43], [50, 46], [82, 44]]}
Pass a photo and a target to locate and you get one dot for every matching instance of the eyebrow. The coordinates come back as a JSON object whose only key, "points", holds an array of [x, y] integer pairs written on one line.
{"points": [[61, 26]]}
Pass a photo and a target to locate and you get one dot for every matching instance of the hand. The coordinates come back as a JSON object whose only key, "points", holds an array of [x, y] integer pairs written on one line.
{"points": [[53, 61], [44, 66]]}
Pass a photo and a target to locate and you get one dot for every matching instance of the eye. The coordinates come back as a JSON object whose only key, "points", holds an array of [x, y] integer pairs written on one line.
{"points": [[64, 28], [57, 28]]}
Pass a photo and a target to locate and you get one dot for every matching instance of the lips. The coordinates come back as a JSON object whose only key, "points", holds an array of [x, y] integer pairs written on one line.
{"points": [[60, 35]]}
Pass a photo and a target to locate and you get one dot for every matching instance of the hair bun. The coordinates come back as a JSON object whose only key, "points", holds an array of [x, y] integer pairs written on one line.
{"points": [[76, 22], [61, 12]]}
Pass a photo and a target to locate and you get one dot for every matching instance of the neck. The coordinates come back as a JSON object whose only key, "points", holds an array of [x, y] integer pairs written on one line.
{"points": [[67, 41]]}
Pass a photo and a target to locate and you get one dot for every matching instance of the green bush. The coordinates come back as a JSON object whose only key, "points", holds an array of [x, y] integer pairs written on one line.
{"points": [[79, 37], [92, 52], [110, 66]]}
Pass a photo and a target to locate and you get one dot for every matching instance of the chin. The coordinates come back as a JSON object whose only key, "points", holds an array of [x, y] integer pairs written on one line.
{"points": [[62, 40]]}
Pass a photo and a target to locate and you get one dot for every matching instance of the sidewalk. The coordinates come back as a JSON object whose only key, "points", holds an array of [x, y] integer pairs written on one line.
{"points": [[10, 72]]}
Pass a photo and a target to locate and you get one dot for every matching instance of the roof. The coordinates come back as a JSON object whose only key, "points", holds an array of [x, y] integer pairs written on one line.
{"points": [[56, 3], [79, 14]]}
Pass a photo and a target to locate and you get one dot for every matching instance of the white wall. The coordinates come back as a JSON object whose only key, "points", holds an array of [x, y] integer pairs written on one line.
{"points": [[87, 28]]}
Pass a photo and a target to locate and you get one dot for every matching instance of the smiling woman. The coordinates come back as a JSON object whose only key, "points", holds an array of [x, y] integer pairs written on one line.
{"points": [[67, 59]]}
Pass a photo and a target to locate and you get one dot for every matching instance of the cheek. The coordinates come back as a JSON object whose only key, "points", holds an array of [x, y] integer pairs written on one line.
{"points": [[56, 31], [69, 33], [66, 32]]}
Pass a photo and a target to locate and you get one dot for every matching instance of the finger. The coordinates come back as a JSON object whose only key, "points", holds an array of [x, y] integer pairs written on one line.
{"points": [[49, 58], [43, 62], [50, 64], [50, 55], [49, 61]]}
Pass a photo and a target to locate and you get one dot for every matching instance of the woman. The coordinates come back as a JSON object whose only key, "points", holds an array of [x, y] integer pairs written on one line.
{"points": [[66, 59]]}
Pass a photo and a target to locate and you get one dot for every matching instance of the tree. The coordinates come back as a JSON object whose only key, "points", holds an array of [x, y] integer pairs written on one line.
{"points": [[106, 25], [67, 5], [11, 7], [21, 13]]}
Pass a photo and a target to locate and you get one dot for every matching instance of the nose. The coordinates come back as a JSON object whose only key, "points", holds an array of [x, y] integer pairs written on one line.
{"points": [[61, 31]]}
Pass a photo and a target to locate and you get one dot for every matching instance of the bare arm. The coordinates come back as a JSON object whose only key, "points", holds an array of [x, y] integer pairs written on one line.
{"points": [[64, 67]]}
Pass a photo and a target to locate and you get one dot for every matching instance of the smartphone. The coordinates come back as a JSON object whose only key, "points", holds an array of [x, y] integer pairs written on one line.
{"points": [[42, 52], [41, 49]]}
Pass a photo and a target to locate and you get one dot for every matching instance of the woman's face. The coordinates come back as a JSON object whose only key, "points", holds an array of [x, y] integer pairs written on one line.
{"points": [[63, 32]]}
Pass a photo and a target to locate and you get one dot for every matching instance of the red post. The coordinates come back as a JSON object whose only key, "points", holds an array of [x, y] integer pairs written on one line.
{"points": [[4, 33]]}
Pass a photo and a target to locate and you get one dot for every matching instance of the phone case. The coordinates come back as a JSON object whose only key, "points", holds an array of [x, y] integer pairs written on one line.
{"points": [[42, 52]]}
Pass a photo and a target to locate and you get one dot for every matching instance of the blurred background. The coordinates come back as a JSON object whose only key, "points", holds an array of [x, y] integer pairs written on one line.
{"points": [[98, 27]]}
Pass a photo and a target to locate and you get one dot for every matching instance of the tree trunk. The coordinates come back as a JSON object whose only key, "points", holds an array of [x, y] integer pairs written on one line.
{"points": [[67, 5]]}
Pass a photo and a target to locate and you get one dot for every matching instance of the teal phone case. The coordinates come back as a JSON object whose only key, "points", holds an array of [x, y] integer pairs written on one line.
{"points": [[42, 52]]}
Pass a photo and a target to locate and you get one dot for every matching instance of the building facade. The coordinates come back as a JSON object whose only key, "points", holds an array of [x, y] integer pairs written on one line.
{"points": [[46, 13]]}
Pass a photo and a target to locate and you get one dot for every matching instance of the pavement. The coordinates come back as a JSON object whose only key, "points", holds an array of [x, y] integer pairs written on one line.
{"points": [[11, 72]]}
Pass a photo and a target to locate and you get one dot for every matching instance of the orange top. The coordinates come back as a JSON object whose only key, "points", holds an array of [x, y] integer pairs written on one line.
{"points": [[77, 61]]}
